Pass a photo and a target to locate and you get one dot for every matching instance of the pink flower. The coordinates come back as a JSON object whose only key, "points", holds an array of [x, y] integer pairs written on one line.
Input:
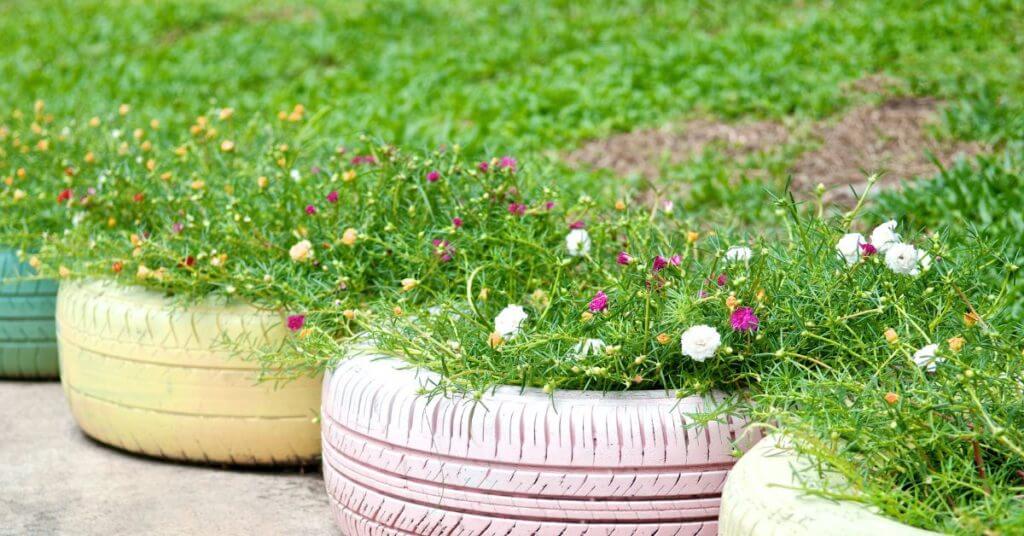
{"points": [[578, 224], [507, 162], [177, 227], [483, 166], [433, 176], [310, 209], [548, 205], [722, 280], [676, 260], [295, 322], [457, 222], [516, 208], [599, 302], [868, 250], [624, 258], [332, 197], [443, 249], [363, 159], [744, 319], [315, 170], [659, 264]]}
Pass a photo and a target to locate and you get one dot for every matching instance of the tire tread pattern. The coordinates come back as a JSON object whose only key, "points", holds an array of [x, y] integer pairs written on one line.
{"points": [[28, 348]]}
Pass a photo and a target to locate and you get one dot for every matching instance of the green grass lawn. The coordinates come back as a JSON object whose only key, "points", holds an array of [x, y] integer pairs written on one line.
{"points": [[509, 77]]}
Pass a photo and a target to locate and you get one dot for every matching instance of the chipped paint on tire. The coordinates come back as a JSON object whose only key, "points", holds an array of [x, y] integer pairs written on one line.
{"points": [[149, 376], [763, 497], [519, 462], [28, 347]]}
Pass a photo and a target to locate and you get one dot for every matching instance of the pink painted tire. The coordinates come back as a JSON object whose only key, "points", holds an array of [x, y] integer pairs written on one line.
{"points": [[396, 463]]}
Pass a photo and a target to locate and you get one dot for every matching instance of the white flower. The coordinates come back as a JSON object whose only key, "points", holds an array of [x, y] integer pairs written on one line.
{"points": [[588, 347], [700, 342], [926, 358], [849, 247], [738, 254], [577, 242], [302, 251], [884, 236], [509, 320], [906, 259], [295, 175]]}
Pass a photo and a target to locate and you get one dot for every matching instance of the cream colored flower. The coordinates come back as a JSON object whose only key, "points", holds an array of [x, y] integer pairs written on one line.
{"points": [[302, 251]]}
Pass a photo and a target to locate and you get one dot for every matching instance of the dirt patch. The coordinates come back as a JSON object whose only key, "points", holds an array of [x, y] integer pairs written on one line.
{"points": [[892, 137], [643, 151]]}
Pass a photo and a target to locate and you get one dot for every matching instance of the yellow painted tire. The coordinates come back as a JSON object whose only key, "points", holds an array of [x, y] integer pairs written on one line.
{"points": [[763, 497], [146, 375]]}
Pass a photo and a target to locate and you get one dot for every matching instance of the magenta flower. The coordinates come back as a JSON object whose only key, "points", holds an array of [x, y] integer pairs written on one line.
{"points": [[443, 249], [578, 224], [548, 205], [744, 319], [599, 302], [624, 258], [868, 250], [659, 264], [433, 176], [722, 280], [177, 227], [332, 197], [295, 322], [310, 209], [516, 208], [483, 166], [507, 162], [676, 260], [457, 222]]}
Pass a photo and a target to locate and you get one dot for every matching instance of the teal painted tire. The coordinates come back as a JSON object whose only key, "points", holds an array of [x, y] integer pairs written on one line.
{"points": [[28, 345]]}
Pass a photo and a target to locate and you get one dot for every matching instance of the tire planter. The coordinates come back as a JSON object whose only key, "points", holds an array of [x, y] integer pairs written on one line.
{"points": [[396, 463], [762, 497], [28, 348], [146, 376]]}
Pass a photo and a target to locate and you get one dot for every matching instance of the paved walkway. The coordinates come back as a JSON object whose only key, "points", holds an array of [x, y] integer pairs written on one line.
{"points": [[54, 480]]}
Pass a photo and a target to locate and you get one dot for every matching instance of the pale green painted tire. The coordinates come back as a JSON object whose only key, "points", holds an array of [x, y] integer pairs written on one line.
{"points": [[28, 345]]}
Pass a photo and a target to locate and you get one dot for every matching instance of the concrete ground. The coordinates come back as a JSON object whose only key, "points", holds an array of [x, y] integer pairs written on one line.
{"points": [[54, 480]]}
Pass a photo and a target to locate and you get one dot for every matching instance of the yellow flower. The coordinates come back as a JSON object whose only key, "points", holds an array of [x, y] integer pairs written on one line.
{"points": [[262, 181], [8, 180], [181, 151], [349, 314], [20, 173], [587, 316], [663, 338], [398, 311], [890, 336], [484, 293], [620, 205], [43, 145], [124, 109], [956, 343], [301, 251], [198, 185], [348, 176], [64, 271], [892, 398], [138, 133], [226, 113], [349, 237], [146, 146], [494, 340], [971, 318], [227, 146], [94, 122], [135, 240], [692, 236], [732, 302], [154, 124], [35, 263], [111, 222], [151, 164], [19, 195], [165, 176], [409, 284]]}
